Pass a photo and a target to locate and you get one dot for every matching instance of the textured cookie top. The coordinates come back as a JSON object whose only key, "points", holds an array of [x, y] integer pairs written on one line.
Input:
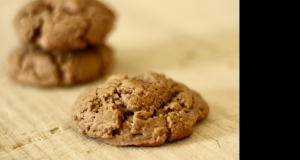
{"points": [[64, 24], [145, 110]]}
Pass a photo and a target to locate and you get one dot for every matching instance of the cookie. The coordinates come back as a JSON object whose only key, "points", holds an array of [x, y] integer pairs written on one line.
{"points": [[146, 110], [34, 66], [64, 24]]}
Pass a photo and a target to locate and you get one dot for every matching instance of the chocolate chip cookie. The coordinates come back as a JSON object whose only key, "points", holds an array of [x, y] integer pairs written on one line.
{"points": [[35, 66], [146, 110], [64, 24]]}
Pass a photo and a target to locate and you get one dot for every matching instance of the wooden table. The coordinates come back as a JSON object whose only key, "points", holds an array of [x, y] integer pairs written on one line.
{"points": [[193, 42]]}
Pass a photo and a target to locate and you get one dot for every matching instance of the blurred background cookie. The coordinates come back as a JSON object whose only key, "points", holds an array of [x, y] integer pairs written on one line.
{"points": [[35, 66], [146, 110], [64, 24]]}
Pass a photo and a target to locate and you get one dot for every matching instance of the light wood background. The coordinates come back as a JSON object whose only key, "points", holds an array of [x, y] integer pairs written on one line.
{"points": [[195, 42]]}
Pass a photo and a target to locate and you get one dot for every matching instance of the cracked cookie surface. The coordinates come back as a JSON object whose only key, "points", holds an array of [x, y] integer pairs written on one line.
{"points": [[64, 24], [146, 110], [34, 66]]}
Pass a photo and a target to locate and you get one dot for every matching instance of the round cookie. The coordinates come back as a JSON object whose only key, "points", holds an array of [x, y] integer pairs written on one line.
{"points": [[64, 24], [146, 110], [34, 66]]}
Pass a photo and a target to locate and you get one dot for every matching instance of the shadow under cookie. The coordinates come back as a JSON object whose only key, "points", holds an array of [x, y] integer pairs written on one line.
{"points": [[34, 66]]}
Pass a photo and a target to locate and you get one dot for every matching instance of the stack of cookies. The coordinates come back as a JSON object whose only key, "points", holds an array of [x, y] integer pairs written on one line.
{"points": [[63, 42]]}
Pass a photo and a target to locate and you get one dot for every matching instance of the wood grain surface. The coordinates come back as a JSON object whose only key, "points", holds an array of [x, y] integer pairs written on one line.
{"points": [[193, 42]]}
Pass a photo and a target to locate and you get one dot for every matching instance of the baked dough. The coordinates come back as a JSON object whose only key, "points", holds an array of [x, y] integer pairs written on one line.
{"points": [[64, 24], [35, 66], [146, 110]]}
